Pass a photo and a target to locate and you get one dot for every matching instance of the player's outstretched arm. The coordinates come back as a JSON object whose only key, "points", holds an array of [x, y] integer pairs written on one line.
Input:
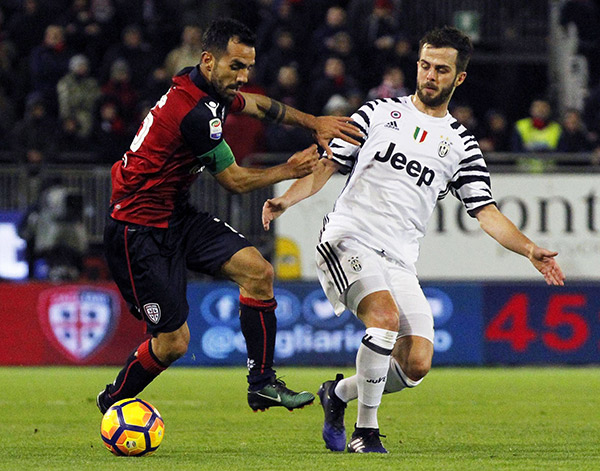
{"points": [[243, 179], [324, 128], [498, 226], [300, 189]]}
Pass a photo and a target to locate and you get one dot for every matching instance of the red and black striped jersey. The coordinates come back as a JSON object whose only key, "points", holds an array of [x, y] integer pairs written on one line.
{"points": [[170, 150]]}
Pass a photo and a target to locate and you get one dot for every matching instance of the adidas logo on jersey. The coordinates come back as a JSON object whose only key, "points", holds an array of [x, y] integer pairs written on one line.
{"points": [[392, 125]]}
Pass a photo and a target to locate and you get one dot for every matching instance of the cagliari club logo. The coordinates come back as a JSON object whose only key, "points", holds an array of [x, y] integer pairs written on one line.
{"points": [[78, 320]]}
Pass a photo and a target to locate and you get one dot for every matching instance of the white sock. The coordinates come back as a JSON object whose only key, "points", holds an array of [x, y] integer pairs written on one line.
{"points": [[372, 364]]}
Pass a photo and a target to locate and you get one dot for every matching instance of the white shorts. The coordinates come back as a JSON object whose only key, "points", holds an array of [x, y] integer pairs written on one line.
{"points": [[349, 271]]}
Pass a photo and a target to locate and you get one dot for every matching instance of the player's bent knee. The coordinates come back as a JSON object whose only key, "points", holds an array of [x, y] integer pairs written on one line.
{"points": [[416, 370]]}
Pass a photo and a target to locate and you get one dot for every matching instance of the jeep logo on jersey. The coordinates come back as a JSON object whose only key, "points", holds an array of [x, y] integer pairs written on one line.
{"points": [[413, 168], [78, 320], [152, 311], [215, 128]]}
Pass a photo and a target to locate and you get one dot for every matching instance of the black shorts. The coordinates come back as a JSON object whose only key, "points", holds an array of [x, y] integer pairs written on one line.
{"points": [[149, 264]]}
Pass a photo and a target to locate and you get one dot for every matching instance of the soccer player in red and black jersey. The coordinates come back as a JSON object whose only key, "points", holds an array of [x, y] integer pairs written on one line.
{"points": [[153, 235]]}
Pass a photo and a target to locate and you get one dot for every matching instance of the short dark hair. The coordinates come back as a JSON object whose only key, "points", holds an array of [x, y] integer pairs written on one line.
{"points": [[449, 36], [220, 31]]}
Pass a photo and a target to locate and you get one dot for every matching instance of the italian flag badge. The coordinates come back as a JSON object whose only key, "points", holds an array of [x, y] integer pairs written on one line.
{"points": [[419, 135]]}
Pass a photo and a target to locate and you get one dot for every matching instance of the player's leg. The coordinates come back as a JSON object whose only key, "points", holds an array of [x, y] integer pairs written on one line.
{"points": [[254, 275], [144, 364], [351, 276], [379, 313], [411, 358], [409, 363], [154, 285]]}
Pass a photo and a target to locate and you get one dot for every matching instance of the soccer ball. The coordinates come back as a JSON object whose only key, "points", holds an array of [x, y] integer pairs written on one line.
{"points": [[132, 427]]}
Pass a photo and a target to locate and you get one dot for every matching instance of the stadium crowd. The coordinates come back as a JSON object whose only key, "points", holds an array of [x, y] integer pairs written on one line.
{"points": [[78, 76]]}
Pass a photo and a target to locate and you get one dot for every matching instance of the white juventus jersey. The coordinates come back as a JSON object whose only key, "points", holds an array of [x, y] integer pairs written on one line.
{"points": [[407, 162]]}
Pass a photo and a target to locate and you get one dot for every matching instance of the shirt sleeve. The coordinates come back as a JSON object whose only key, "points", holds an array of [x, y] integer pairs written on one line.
{"points": [[218, 159], [471, 182], [201, 130], [238, 104], [345, 153]]}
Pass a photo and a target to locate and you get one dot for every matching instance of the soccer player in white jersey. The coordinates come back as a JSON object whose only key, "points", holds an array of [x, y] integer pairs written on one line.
{"points": [[414, 152]]}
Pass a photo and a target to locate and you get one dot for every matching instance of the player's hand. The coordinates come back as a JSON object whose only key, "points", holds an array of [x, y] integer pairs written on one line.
{"points": [[272, 209], [329, 127], [543, 260], [304, 162]]}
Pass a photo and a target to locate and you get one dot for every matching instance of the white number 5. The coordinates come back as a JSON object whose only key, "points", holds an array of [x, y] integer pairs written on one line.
{"points": [[143, 132]]}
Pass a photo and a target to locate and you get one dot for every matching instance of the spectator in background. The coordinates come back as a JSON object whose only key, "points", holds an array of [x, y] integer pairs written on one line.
{"points": [[378, 39], [585, 15], [34, 138], [48, 63], [334, 81], [464, 115], [111, 136], [120, 90], [186, 53], [341, 45], [536, 134], [495, 134], [280, 15], [287, 89], [335, 22], [134, 51], [403, 56], [392, 85], [57, 240], [574, 137], [83, 33], [338, 105], [8, 55], [283, 52], [77, 97], [26, 27], [158, 81]]}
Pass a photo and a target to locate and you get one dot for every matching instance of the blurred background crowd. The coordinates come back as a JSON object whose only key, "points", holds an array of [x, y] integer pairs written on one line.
{"points": [[78, 76]]}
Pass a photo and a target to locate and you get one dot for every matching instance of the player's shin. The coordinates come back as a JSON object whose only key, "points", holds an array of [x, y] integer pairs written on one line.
{"points": [[372, 363], [140, 369], [259, 327]]}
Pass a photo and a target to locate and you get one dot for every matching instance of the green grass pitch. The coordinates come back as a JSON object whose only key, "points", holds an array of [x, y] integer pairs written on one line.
{"points": [[458, 419]]}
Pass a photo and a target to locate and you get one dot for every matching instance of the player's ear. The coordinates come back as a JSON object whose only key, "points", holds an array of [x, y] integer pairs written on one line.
{"points": [[207, 60], [460, 78]]}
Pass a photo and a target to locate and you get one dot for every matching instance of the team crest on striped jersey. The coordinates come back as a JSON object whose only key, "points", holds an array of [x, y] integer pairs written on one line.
{"points": [[355, 263], [419, 134], [444, 147]]}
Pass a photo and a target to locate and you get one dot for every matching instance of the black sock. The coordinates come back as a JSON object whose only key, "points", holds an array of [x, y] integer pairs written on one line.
{"points": [[259, 326], [139, 371]]}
